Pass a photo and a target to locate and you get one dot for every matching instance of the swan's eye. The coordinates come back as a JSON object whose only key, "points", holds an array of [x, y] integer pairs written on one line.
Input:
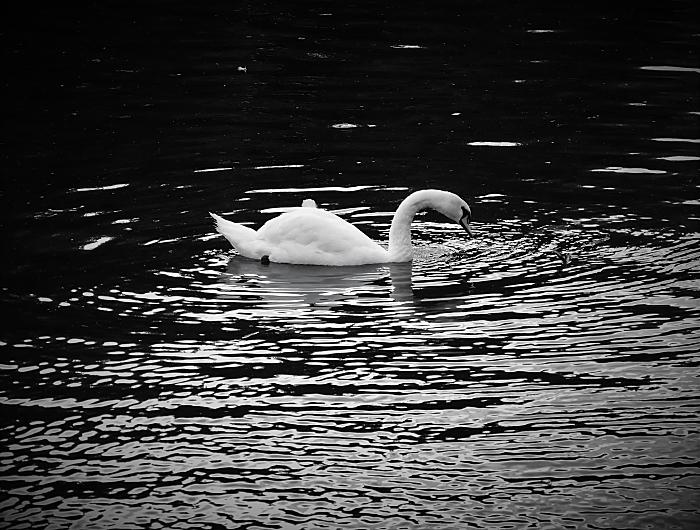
{"points": [[465, 213]]}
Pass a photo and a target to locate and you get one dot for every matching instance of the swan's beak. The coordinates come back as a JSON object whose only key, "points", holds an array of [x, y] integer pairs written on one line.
{"points": [[465, 225]]}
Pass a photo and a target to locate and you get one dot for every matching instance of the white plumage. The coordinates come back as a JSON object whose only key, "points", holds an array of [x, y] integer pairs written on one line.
{"points": [[312, 236]]}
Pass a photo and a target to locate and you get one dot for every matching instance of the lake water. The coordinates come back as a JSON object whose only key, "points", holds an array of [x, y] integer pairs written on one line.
{"points": [[543, 374]]}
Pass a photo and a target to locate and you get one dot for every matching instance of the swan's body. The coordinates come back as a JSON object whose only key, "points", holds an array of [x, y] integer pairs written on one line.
{"points": [[311, 236]]}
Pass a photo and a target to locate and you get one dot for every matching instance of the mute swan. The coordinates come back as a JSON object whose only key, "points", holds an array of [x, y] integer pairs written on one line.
{"points": [[308, 235]]}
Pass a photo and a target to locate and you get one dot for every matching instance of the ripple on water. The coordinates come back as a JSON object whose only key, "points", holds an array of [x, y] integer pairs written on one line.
{"points": [[537, 364], [541, 375]]}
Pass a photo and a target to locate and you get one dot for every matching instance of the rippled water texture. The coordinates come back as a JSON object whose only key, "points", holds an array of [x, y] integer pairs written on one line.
{"points": [[543, 374]]}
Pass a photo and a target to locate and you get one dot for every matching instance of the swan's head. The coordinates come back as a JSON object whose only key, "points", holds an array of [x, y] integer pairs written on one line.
{"points": [[455, 208]]}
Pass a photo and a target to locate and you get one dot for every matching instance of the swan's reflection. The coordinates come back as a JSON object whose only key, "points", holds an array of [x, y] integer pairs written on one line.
{"points": [[312, 284]]}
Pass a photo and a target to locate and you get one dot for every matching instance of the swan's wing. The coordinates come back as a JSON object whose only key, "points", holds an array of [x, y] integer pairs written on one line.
{"points": [[315, 236], [312, 226]]}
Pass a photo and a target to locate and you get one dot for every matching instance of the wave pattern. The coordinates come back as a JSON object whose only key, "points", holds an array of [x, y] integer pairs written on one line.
{"points": [[515, 379], [541, 375]]}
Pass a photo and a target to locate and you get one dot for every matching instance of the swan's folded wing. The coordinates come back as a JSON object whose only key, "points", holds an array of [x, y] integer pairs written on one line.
{"points": [[314, 236]]}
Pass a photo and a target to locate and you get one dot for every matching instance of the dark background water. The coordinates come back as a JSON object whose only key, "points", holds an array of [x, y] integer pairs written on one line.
{"points": [[544, 374]]}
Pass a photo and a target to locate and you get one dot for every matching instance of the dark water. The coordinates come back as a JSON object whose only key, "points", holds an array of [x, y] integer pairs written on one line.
{"points": [[542, 375]]}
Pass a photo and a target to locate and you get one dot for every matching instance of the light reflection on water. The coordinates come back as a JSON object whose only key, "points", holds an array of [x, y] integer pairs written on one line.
{"points": [[487, 369], [542, 374]]}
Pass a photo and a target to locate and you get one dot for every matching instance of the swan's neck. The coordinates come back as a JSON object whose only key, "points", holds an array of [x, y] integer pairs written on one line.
{"points": [[400, 247]]}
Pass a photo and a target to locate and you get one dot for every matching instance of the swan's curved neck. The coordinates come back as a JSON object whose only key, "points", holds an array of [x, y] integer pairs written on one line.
{"points": [[400, 247]]}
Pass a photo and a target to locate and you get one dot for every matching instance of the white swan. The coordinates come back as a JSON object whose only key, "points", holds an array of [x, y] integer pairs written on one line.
{"points": [[311, 236]]}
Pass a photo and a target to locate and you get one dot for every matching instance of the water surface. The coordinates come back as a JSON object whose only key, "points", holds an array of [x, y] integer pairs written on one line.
{"points": [[543, 374]]}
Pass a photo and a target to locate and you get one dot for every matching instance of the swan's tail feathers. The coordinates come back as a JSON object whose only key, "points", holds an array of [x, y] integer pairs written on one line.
{"points": [[236, 234], [309, 203]]}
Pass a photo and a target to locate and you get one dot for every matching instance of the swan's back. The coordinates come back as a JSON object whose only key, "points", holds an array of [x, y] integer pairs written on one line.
{"points": [[317, 237]]}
